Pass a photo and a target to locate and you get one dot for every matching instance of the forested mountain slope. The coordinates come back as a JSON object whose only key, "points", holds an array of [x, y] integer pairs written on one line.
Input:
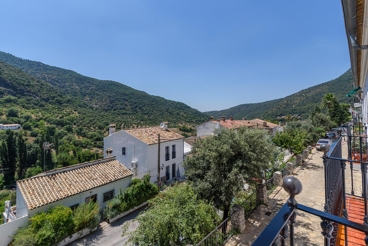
{"points": [[300, 103], [110, 102]]}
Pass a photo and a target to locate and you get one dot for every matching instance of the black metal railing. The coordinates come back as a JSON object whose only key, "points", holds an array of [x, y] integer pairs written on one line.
{"points": [[283, 224], [335, 211]]}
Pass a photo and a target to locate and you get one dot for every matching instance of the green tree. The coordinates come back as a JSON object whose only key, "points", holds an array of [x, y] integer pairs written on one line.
{"points": [[32, 171], [8, 157], [22, 157], [292, 140], [174, 217], [219, 165]]}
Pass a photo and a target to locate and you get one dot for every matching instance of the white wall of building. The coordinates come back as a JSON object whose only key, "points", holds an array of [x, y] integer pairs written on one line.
{"points": [[152, 160], [207, 128], [145, 155], [8, 229], [135, 150], [79, 198]]}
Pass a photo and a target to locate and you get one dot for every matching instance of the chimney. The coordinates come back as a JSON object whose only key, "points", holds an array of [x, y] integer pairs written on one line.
{"points": [[231, 118], [164, 125], [265, 123], [223, 118], [111, 128], [109, 152]]}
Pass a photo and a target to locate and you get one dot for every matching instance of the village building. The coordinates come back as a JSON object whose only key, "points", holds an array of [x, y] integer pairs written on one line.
{"points": [[152, 151], [210, 127], [10, 126], [97, 180]]}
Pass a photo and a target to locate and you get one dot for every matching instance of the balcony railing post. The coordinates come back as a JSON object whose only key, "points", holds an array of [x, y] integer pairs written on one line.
{"points": [[344, 211], [327, 229], [351, 177], [283, 235], [291, 224]]}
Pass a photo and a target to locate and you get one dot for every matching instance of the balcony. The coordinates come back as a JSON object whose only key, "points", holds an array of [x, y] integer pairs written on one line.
{"points": [[344, 219]]}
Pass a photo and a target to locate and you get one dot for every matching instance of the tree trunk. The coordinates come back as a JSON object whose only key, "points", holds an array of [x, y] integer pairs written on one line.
{"points": [[224, 217]]}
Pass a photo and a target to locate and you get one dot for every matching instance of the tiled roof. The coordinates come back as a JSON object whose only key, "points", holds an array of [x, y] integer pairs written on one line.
{"points": [[61, 183], [260, 123], [231, 124], [150, 135]]}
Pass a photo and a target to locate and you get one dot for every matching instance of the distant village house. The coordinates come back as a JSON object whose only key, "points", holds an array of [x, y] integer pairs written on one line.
{"points": [[10, 126], [209, 128]]}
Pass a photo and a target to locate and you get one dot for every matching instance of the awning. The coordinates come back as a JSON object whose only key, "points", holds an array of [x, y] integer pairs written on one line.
{"points": [[351, 93]]}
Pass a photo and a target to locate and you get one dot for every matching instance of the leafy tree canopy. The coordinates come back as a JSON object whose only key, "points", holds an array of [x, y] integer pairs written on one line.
{"points": [[174, 217], [219, 165]]}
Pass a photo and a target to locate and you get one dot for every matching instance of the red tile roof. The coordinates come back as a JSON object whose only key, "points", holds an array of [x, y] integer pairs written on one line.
{"points": [[150, 135], [64, 182]]}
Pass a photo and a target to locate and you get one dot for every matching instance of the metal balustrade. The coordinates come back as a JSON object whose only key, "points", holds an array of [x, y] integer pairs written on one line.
{"points": [[335, 211]]}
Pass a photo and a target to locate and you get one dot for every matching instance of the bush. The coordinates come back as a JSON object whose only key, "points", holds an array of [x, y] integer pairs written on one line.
{"points": [[32, 171], [138, 192], [52, 226], [46, 228], [86, 216], [4, 193]]}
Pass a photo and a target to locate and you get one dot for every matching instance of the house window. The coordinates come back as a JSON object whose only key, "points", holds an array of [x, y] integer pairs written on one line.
{"points": [[123, 151], [173, 172], [167, 153], [74, 206], [91, 198], [173, 151], [108, 195]]}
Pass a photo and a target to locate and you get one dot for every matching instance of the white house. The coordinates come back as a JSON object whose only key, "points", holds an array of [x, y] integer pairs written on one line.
{"points": [[208, 128], [10, 126], [97, 180], [138, 149]]}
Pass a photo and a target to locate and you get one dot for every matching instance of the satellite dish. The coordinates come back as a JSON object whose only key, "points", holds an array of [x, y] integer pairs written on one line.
{"points": [[162, 125]]}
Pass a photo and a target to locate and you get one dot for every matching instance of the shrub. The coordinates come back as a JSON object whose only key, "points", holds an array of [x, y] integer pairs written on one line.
{"points": [[4, 193], [86, 216], [139, 191], [46, 228], [32, 171]]}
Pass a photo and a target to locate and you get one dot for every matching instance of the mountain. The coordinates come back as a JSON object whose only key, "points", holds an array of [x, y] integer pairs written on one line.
{"points": [[106, 101], [300, 103]]}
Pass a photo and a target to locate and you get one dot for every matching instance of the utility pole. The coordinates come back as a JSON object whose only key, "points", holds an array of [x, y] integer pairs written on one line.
{"points": [[158, 162]]}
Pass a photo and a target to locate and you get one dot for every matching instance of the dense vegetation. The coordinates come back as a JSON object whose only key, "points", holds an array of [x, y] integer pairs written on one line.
{"points": [[96, 103], [138, 192], [175, 217], [218, 164], [300, 104], [52, 226]]}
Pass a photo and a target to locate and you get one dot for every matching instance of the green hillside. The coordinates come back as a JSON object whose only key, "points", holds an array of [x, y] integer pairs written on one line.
{"points": [[109, 101], [300, 103]]}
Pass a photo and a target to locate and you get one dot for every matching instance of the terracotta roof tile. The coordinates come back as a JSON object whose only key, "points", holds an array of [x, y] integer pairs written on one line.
{"points": [[150, 135], [60, 183]]}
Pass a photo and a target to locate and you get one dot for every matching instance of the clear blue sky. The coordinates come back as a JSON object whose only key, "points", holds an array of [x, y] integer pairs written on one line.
{"points": [[210, 55]]}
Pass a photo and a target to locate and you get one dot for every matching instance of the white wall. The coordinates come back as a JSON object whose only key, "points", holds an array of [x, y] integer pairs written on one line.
{"points": [[80, 198], [152, 158], [22, 209], [8, 229], [145, 155], [207, 128], [135, 150]]}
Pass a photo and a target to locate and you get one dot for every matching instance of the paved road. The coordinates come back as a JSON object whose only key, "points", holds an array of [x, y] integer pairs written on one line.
{"points": [[109, 234]]}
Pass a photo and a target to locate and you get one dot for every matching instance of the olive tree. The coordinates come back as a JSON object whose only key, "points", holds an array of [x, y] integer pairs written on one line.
{"points": [[219, 165], [175, 217]]}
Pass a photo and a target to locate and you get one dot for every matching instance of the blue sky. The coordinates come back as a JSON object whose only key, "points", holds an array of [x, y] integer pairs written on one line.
{"points": [[210, 55]]}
